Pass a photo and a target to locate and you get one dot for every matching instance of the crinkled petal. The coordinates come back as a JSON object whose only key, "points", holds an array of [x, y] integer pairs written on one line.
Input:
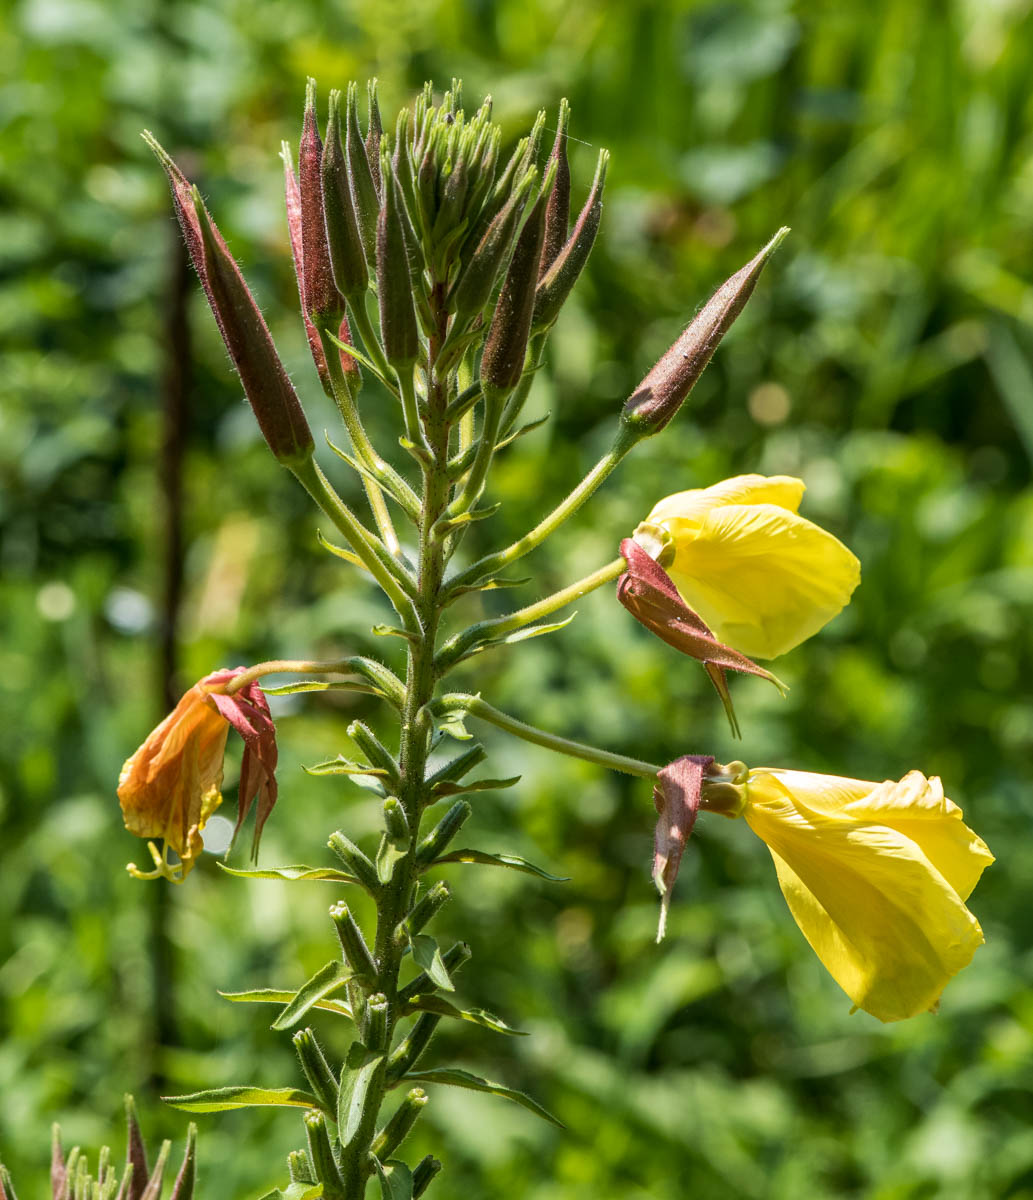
{"points": [[763, 578], [887, 925], [688, 509]]}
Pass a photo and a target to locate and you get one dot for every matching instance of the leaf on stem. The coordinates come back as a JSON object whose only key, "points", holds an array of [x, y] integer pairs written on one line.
{"points": [[296, 1191], [293, 874], [322, 685], [360, 1067], [343, 766], [387, 856], [448, 787], [326, 980], [456, 1077], [476, 1016], [427, 954], [530, 427], [340, 552], [395, 1179], [284, 996], [531, 631], [226, 1098], [512, 861]]}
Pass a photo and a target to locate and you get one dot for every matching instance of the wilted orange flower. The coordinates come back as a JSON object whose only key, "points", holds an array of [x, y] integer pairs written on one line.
{"points": [[172, 784]]}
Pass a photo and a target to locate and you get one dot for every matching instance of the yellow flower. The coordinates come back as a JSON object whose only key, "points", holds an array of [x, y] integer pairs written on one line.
{"points": [[875, 874], [762, 577]]}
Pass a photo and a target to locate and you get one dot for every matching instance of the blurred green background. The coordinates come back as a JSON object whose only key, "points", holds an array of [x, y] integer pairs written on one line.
{"points": [[885, 358]]}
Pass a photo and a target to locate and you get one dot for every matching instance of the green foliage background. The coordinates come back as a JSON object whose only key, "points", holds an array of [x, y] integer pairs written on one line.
{"points": [[885, 358]]}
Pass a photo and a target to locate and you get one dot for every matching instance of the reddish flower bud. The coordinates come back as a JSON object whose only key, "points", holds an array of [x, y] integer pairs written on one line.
{"points": [[676, 798], [243, 328], [322, 301], [558, 281], [659, 396], [649, 594], [557, 212], [502, 363], [292, 195]]}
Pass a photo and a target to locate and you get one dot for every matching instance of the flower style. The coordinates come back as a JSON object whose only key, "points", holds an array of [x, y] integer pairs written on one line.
{"points": [[762, 577], [172, 784], [876, 876]]}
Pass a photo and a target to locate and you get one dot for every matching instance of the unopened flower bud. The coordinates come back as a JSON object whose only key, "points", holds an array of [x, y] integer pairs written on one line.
{"points": [[355, 861], [346, 252], [502, 363], [356, 952], [360, 175], [659, 396], [557, 211], [398, 328], [243, 328], [322, 300], [556, 284], [317, 1070], [374, 133], [439, 838], [424, 1174], [374, 1031], [474, 287], [321, 1156], [400, 1125], [408, 1051], [299, 1168], [427, 906]]}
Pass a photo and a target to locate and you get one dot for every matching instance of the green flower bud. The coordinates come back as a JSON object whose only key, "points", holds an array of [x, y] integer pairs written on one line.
{"points": [[400, 1125], [353, 944], [398, 328], [426, 1170], [299, 1168], [409, 1050], [427, 906], [395, 822], [659, 396], [321, 1156], [373, 134], [364, 188], [317, 1070], [440, 837], [356, 862], [374, 1023], [346, 253]]}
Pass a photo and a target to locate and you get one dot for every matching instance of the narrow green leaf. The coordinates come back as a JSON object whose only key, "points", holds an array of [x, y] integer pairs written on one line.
{"points": [[322, 685], [477, 1016], [343, 766], [293, 874], [532, 631], [530, 427], [296, 1191], [427, 954], [448, 788], [498, 860], [223, 1099], [455, 1077], [395, 1179], [360, 1067], [452, 724], [283, 996], [326, 980], [340, 552]]}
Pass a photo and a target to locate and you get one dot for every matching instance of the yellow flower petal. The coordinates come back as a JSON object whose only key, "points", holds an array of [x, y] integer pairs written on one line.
{"points": [[875, 876], [689, 508], [763, 578]]}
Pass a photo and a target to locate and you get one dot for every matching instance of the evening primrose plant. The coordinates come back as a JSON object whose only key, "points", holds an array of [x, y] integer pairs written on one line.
{"points": [[432, 268]]}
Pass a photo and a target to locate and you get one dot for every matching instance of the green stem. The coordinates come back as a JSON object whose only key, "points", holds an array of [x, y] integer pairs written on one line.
{"points": [[623, 443], [386, 573], [485, 631], [476, 707], [396, 896]]}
